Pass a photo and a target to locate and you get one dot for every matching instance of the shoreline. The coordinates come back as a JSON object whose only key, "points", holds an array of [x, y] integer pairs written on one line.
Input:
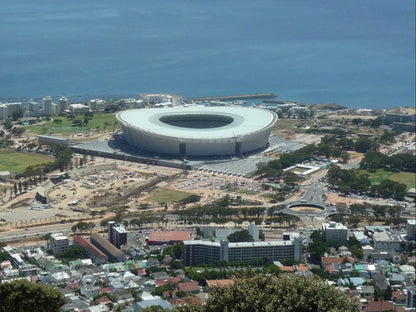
{"points": [[269, 99]]}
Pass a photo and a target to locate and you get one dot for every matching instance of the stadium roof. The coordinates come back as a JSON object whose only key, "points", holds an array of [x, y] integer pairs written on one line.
{"points": [[244, 120]]}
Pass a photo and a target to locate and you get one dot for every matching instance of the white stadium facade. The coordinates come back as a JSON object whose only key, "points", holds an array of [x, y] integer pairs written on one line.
{"points": [[198, 130]]}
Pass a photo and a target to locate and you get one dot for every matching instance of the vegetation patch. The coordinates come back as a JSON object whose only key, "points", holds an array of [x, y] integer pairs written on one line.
{"points": [[380, 175], [78, 123], [168, 196], [14, 161], [407, 178]]}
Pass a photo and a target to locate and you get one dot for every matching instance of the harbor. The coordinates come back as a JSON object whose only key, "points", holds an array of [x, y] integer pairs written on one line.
{"points": [[232, 97]]}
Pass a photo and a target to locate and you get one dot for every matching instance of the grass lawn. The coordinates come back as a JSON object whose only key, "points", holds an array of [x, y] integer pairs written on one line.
{"points": [[101, 120], [13, 161], [168, 196], [285, 124], [407, 178], [299, 169]]}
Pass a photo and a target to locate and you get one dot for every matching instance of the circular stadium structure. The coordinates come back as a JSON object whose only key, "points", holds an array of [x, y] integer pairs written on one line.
{"points": [[198, 130]]}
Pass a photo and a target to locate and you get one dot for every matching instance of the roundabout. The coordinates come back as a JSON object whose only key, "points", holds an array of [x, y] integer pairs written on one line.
{"points": [[306, 208], [309, 209]]}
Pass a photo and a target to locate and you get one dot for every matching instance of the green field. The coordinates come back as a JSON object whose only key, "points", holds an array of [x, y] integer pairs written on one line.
{"points": [[168, 196], [407, 178], [13, 161], [101, 120], [299, 169]]}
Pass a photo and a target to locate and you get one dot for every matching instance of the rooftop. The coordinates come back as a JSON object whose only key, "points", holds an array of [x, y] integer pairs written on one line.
{"points": [[113, 250], [244, 120], [167, 236], [89, 247]]}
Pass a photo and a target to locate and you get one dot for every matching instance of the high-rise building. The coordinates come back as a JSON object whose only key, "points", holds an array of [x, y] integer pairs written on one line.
{"points": [[13, 107], [333, 231], [411, 297], [47, 105], [63, 104], [254, 231], [58, 243], [410, 229], [3, 112], [117, 234], [33, 108]]}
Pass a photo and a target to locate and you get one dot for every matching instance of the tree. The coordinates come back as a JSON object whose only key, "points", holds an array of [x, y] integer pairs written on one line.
{"points": [[7, 124], [269, 293], [240, 236], [22, 295], [18, 131], [18, 113], [364, 145]]}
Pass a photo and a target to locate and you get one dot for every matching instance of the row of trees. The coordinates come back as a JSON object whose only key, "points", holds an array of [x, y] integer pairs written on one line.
{"points": [[378, 210], [83, 227]]}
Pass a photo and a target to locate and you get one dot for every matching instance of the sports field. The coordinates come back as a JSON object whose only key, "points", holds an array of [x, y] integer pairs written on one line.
{"points": [[61, 124], [168, 196], [13, 161], [407, 178]]}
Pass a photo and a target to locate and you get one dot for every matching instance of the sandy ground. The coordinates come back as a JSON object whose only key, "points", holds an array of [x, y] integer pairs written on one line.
{"points": [[307, 138], [72, 198], [334, 198]]}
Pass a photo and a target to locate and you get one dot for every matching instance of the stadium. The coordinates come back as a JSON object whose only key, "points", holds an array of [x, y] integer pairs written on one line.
{"points": [[198, 130]]}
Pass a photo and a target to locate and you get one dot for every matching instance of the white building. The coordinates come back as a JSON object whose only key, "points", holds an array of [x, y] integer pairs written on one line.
{"points": [[254, 231], [173, 100], [3, 112], [333, 231], [58, 243], [33, 108], [202, 252], [47, 105], [299, 110], [12, 107], [410, 228], [97, 105], [63, 104], [386, 241], [133, 103], [79, 108]]}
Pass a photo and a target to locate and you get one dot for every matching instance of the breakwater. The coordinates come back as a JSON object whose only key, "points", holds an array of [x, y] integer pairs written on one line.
{"points": [[233, 97]]}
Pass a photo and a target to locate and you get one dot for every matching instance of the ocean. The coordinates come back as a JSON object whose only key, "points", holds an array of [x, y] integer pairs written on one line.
{"points": [[357, 53]]}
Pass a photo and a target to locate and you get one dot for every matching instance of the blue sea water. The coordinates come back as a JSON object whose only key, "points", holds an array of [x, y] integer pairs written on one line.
{"points": [[357, 53]]}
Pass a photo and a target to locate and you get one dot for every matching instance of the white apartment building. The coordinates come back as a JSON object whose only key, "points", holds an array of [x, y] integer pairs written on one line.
{"points": [[386, 241], [333, 231], [12, 107], [79, 108], [47, 105], [63, 104], [3, 112], [33, 108], [97, 105]]}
